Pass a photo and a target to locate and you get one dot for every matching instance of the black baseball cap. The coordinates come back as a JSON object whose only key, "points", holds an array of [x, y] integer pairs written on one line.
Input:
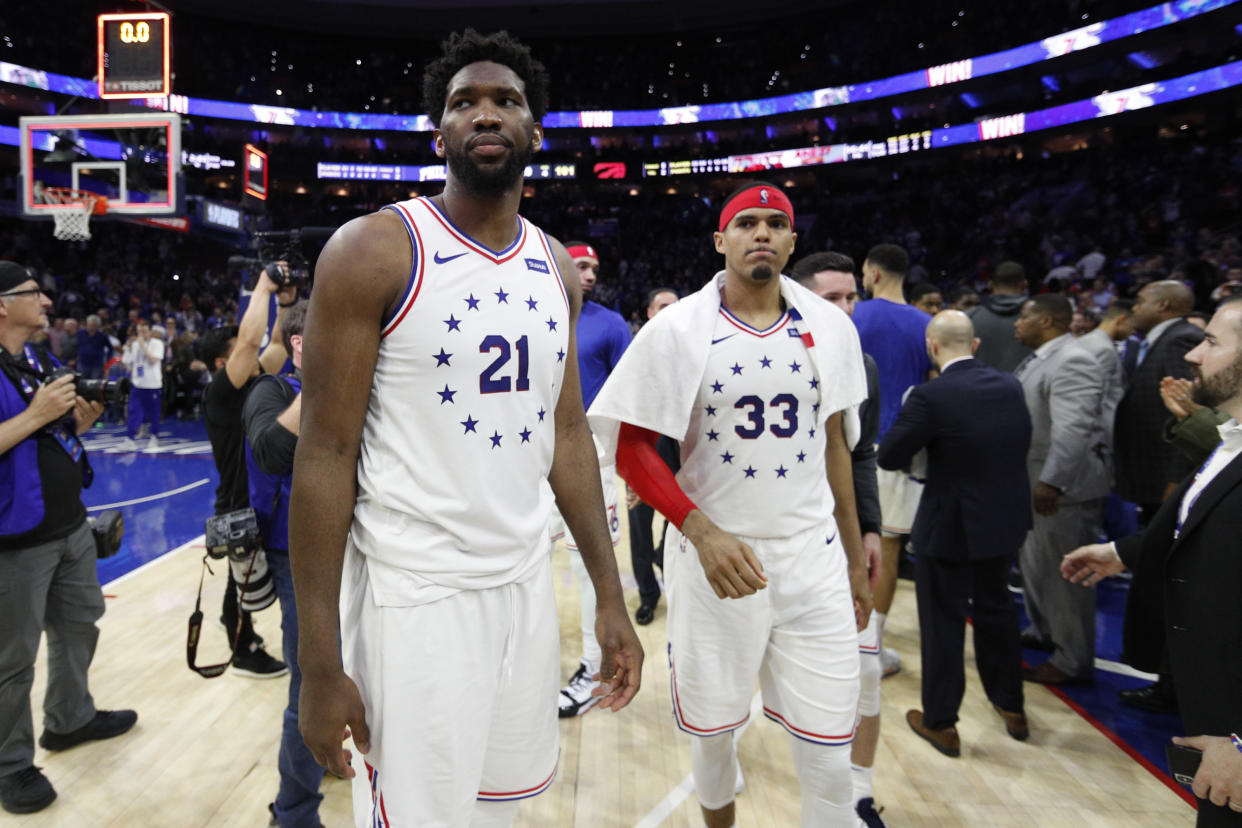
{"points": [[13, 274]]}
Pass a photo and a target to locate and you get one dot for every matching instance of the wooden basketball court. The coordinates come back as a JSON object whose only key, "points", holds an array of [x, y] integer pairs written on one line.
{"points": [[204, 752]]}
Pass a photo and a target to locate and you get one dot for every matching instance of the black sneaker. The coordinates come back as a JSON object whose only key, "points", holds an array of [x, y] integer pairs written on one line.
{"points": [[256, 663], [26, 791], [255, 638], [867, 814], [105, 725]]}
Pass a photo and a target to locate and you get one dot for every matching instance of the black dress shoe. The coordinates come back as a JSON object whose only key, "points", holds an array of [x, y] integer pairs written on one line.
{"points": [[26, 791], [645, 614], [105, 725], [1032, 641], [1154, 698]]}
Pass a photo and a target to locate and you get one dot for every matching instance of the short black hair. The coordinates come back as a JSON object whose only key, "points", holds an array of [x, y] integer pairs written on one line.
{"points": [[215, 344], [464, 48], [1056, 307], [293, 323], [804, 269], [958, 292], [1118, 307], [891, 258], [654, 292], [1009, 275], [920, 289]]}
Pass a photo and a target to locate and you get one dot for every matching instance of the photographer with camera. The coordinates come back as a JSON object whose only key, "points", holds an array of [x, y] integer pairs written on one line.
{"points": [[232, 355], [272, 416], [48, 579]]}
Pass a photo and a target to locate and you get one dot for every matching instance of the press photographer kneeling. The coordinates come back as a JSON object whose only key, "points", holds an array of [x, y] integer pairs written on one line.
{"points": [[47, 552]]}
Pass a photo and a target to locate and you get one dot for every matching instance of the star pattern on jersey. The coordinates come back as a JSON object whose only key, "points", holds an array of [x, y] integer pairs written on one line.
{"points": [[811, 433], [712, 436], [446, 396], [469, 423], [726, 458], [471, 303], [711, 410], [495, 438], [717, 388], [736, 369], [442, 358], [502, 298], [802, 457], [541, 413], [560, 355], [795, 367], [781, 471], [524, 434], [454, 324], [551, 324], [765, 363], [750, 471], [532, 303], [814, 384]]}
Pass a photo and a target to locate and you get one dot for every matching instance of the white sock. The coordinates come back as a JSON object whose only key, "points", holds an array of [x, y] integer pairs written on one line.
{"points": [[880, 618], [861, 779]]}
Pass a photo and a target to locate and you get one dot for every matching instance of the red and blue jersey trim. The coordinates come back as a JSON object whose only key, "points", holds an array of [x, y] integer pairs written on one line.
{"points": [[679, 716], [379, 815], [766, 332], [509, 796], [560, 282], [493, 256], [807, 735], [416, 272]]}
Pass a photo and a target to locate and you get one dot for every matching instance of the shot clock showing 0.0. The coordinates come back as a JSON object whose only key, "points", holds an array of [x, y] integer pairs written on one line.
{"points": [[133, 55]]}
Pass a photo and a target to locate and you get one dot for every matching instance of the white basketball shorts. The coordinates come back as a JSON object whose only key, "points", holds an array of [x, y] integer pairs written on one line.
{"points": [[459, 697], [797, 637], [899, 500], [608, 480]]}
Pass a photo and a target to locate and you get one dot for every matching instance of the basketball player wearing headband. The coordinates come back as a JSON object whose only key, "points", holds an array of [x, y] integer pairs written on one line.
{"points": [[764, 571]]}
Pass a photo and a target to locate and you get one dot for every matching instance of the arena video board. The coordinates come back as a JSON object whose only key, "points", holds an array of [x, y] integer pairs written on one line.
{"points": [[1048, 48], [429, 172]]}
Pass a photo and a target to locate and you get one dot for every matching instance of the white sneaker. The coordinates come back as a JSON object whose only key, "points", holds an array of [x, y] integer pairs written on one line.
{"points": [[127, 445], [153, 443], [890, 662], [576, 698]]}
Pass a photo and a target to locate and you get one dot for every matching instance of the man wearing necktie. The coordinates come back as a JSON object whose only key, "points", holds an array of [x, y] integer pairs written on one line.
{"points": [[1187, 568]]}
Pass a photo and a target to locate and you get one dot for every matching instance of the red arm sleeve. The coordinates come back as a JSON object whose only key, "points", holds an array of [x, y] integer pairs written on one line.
{"points": [[650, 478]]}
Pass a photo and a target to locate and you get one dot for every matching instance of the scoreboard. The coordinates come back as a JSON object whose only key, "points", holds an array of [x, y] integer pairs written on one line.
{"points": [[133, 55]]}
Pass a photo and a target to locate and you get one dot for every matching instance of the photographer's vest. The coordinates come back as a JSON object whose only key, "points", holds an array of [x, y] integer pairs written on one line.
{"points": [[269, 493], [460, 428], [21, 487]]}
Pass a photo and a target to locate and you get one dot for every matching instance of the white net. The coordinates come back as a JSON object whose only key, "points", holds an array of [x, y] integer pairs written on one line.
{"points": [[73, 217]]}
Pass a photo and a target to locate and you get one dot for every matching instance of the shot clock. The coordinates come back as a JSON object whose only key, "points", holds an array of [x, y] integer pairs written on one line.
{"points": [[133, 55]]}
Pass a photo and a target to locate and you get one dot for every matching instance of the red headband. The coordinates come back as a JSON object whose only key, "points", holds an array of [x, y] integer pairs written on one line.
{"points": [[761, 196], [580, 250]]}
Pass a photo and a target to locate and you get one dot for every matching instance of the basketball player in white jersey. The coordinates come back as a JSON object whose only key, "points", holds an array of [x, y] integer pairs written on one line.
{"points": [[441, 419], [751, 375]]}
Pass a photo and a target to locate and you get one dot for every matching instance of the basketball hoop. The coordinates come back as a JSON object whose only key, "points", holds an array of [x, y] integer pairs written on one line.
{"points": [[73, 211]]}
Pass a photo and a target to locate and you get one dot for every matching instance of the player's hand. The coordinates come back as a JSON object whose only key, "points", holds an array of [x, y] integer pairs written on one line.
{"points": [[1219, 778], [1088, 565], [1178, 396], [621, 668], [731, 566], [631, 499], [1046, 499], [52, 401], [864, 602], [85, 414], [873, 556], [329, 709]]}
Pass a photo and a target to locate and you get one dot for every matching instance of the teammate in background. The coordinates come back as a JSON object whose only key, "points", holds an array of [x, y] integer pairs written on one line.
{"points": [[760, 589], [830, 276], [144, 357], [602, 338], [892, 333], [645, 553], [441, 417], [232, 355], [926, 297]]}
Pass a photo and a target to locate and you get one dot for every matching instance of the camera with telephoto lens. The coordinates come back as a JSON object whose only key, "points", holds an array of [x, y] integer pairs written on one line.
{"points": [[95, 390], [236, 536], [281, 255]]}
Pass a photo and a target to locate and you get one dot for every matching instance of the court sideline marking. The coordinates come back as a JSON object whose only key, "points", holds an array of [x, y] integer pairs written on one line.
{"points": [[172, 553], [149, 498]]}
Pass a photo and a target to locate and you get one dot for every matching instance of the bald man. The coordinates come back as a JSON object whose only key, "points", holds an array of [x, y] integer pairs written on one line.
{"points": [[974, 513]]}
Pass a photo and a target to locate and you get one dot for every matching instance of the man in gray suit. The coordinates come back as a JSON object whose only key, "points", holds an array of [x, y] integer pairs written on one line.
{"points": [[1102, 344], [1068, 465]]}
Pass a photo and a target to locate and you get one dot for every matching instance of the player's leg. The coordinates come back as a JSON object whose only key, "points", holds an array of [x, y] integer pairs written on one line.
{"points": [[428, 697], [867, 737], [899, 497], [810, 673], [523, 740], [713, 763]]}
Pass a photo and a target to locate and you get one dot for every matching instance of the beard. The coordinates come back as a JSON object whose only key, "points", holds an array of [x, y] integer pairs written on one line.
{"points": [[762, 273], [1222, 386], [493, 180]]}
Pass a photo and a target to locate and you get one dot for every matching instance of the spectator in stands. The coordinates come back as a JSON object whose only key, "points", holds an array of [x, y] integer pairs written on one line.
{"points": [[144, 357], [69, 345], [994, 319], [94, 348]]}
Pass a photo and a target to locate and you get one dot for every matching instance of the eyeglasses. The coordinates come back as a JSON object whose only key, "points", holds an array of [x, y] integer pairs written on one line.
{"points": [[27, 291]]}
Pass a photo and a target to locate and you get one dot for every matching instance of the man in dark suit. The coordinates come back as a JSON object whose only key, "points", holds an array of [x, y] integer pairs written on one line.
{"points": [[972, 518], [1147, 467], [1187, 582]]}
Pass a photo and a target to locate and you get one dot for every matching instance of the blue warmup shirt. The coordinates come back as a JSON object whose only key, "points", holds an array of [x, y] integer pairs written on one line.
{"points": [[895, 336], [603, 337]]}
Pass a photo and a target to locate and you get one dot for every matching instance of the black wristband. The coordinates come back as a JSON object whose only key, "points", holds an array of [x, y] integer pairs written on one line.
{"points": [[291, 304]]}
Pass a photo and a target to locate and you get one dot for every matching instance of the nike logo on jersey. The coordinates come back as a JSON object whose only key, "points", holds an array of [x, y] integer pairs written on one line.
{"points": [[723, 338], [446, 259]]}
